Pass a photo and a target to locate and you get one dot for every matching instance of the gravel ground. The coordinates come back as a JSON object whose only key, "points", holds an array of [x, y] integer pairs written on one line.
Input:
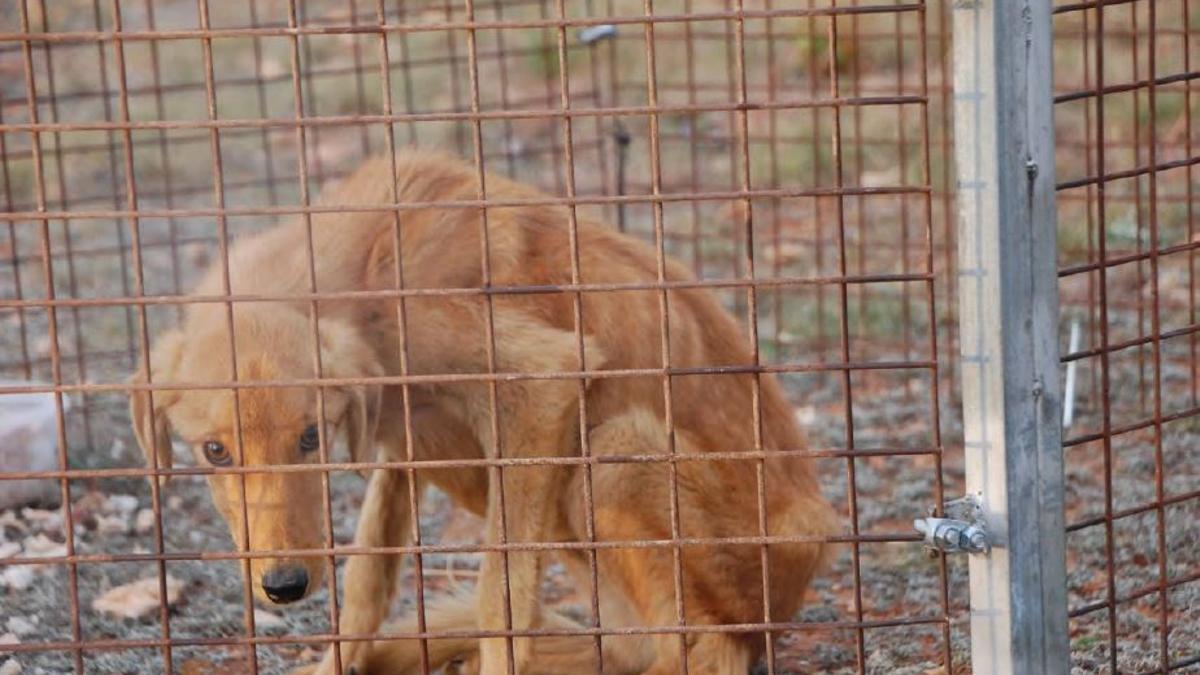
{"points": [[898, 580]]}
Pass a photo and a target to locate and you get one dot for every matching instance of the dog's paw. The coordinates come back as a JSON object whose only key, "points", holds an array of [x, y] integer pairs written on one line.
{"points": [[352, 664]]}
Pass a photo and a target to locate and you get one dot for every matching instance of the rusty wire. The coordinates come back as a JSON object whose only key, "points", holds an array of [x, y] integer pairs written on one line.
{"points": [[587, 165], [1132, 54]]}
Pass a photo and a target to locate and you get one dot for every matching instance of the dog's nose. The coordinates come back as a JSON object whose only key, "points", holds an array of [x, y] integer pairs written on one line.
{"points": [[285, 583]]}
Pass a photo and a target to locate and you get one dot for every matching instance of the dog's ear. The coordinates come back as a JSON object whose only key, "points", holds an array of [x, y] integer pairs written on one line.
{"points": [[362, 421], [147, 411], [345, 354]]}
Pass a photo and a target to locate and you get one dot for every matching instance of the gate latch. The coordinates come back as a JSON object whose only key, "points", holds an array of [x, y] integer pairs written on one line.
{"points": [[960, 530]]}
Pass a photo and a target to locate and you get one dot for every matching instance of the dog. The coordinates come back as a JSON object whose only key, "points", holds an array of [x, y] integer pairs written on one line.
{"points": [[486, 367]]}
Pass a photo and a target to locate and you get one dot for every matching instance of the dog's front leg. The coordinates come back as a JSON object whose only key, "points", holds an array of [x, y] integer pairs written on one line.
{"points": [[529, 493], [539, 424], [370, 579], [537, 418]]}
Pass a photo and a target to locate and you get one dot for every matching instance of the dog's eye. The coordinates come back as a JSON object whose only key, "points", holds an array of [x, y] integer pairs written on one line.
{"points": [[310, 440], [217, 454]]}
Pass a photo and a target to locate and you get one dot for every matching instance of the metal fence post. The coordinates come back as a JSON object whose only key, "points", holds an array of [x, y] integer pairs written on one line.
{"points": [[1008, 301]]}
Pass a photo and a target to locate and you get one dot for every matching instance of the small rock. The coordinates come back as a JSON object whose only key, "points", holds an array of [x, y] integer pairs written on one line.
{"points": [[17, 577], [9, 549], [137, 599], [175, 502], [144, 522], [19, 626], [180, 452], [45, 520], [41, 546], [10, 667], [806, 415], [9, 639], [123, 504], [117, 449], [112, 524], [10, 519]]}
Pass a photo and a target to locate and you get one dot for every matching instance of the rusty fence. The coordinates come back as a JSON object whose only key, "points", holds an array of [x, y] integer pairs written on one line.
{"points": [[795, 156], [1126, 113]]}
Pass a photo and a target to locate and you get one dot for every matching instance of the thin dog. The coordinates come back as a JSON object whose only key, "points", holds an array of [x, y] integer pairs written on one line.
{"points": [[488, 373]]}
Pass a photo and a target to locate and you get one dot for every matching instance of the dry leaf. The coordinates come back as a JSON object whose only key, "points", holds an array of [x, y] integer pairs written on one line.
{"points": [[92, 502], [195, 667], [111, 524], [44, 519], [309, 654], [10, 519], [266, 620], [137, 599], [41, 546], [232, 666]]}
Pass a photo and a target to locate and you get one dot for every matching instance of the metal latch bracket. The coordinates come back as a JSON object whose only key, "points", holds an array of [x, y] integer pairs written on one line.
{"points": [[961, 529]]}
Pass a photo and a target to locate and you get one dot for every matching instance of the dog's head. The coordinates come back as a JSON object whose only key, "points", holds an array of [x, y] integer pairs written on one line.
{"points": [[266, 511]]}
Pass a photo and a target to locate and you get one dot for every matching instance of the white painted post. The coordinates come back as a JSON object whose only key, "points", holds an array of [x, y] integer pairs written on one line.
{"points": [[1008, 318]]}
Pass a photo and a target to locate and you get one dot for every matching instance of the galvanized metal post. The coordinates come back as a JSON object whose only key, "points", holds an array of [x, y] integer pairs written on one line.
{"points": [[1008, 301]]}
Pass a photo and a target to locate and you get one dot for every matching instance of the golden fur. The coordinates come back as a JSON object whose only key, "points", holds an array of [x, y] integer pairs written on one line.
{"points": [[533, 333]]}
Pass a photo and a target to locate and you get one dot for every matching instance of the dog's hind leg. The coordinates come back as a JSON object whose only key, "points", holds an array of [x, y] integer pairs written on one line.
{"points": [[540, 419], [560, 654], [403, 656], [632, 503], [385, 521], [707, 654]]}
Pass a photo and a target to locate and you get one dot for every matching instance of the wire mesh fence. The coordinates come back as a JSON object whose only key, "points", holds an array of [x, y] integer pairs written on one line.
{"points": [[1126, 157], [784, 154], [794, 158]]}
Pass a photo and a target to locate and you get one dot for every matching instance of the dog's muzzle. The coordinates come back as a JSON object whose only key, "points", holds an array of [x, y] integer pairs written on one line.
{"points": [[285, 584]]}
